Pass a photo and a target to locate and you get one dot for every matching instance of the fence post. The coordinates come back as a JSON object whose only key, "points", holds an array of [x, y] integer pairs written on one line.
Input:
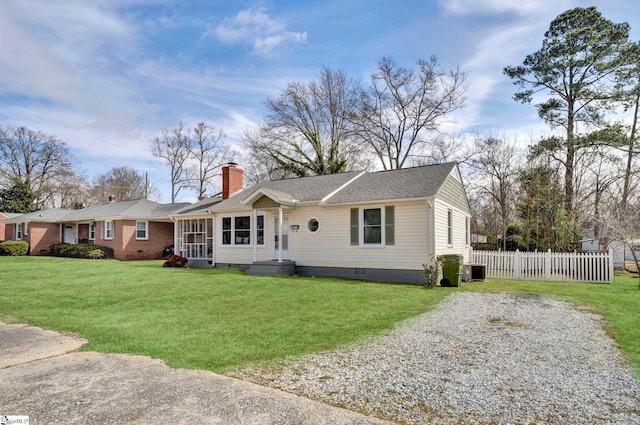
{"points": [[517, 265], [611, 266], [547, 265]]}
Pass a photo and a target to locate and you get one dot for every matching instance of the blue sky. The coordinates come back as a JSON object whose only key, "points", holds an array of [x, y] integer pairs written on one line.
{"points": [[107, 76]]}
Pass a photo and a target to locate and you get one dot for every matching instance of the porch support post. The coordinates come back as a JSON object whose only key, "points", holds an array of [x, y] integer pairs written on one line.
{"points": [[280, 234], [254, 236]]}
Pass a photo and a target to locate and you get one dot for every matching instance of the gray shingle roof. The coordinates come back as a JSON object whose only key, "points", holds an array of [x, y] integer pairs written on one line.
{"points": [[406, 183], [51, 214], [302, 189], [141, 208], [200, 207]]}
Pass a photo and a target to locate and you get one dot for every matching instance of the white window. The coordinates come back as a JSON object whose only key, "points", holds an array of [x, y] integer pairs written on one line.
{"points": [[109, 229], [373, 226], [18, 231], [92, 231], [237, 230], [141, 230], [450, 228]]}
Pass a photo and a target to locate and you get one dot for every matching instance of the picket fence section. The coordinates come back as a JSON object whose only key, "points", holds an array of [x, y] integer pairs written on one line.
{"points": [[569, 266]]}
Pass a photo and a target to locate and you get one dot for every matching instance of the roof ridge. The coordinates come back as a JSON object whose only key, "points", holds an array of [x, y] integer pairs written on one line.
{"points": [[328, 196]]}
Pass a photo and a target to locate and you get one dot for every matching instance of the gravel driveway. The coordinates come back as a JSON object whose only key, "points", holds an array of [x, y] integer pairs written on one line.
{"points": [[477, 359]]}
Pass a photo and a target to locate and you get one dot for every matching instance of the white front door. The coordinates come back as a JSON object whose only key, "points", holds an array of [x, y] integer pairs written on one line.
{"points": [[286, 224], [69, 234]]}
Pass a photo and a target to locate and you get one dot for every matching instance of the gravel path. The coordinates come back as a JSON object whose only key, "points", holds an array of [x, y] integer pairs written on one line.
{"points": [[477, 359]]}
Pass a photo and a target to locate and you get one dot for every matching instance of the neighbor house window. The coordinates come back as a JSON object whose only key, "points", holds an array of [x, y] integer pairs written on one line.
{"points": [[109, 229], [237, 230], [141, 230], [92, 231], [449, 227], [373, 226]]}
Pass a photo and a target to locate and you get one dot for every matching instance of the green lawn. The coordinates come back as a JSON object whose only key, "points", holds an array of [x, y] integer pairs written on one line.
{"points": [[217, 319], [199, 318]]}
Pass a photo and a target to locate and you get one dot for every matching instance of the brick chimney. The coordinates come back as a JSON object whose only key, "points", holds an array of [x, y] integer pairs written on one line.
{"points": [[231, 179]]}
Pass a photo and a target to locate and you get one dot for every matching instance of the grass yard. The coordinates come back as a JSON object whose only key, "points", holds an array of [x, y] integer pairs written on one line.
{"points": [[217, 319], [199, 318]]}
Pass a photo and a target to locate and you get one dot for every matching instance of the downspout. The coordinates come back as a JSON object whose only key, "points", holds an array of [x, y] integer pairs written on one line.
{"points": [[431, 225], [280, 234]]}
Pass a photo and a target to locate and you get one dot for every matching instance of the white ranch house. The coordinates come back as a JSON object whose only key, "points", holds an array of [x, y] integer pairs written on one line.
{"points": [[380, 225]]}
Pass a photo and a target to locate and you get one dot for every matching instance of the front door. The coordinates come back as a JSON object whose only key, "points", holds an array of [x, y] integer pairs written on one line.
{"points": [[69, 234], [286, 224]]}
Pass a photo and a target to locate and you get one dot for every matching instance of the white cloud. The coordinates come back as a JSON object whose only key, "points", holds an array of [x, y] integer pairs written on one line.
{"points": [[257, 28], [522, 8]]}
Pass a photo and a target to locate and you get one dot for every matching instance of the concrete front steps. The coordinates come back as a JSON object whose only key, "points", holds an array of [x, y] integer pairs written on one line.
{"points": [[272, 268]]}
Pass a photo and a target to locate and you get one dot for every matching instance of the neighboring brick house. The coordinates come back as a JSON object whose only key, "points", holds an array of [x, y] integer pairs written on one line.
{"points": [[6, 232], [135, 230]]}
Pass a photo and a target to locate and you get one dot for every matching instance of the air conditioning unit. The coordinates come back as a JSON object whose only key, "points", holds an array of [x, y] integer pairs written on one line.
{"points": [[474, 272]]}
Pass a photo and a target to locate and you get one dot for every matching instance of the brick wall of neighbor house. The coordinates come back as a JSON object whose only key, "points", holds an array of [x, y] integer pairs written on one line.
{"points": [[3, 229], [83, 233], [159, 236], [41, 236], [111, 243], [9, 232]]}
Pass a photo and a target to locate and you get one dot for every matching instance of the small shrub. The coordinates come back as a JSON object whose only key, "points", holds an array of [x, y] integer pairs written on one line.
{"points": [[175, 261], [431, 271], [95, 254], [14, 248], [80, 251]]}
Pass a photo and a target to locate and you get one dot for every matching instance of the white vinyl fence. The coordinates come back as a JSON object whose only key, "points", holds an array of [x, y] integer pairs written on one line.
{"points": [[570, 266]]}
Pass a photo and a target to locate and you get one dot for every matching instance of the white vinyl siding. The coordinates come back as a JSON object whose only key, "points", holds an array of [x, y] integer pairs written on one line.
{"points": [[458, 234], [332, 247]]}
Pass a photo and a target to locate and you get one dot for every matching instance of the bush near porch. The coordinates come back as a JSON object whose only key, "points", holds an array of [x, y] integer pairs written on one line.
{"points": [[14, 248], [80, 251]]}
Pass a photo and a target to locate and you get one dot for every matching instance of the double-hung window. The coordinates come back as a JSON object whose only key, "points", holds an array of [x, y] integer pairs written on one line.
{"points": [[372, 226], [236, 231], [92, 231], [18, 231], [141, 230], [109, 229]]}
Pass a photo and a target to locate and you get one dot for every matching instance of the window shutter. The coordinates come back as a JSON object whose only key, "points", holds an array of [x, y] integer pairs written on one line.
{"points": [[355, 236], [389, 232]]}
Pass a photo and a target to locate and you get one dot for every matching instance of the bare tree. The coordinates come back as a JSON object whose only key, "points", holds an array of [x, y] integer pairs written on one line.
{"points": [[307, 131], [123, 183], [496, 169], [402, 105], [209, 153], [36, 159], [174, 146]]}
